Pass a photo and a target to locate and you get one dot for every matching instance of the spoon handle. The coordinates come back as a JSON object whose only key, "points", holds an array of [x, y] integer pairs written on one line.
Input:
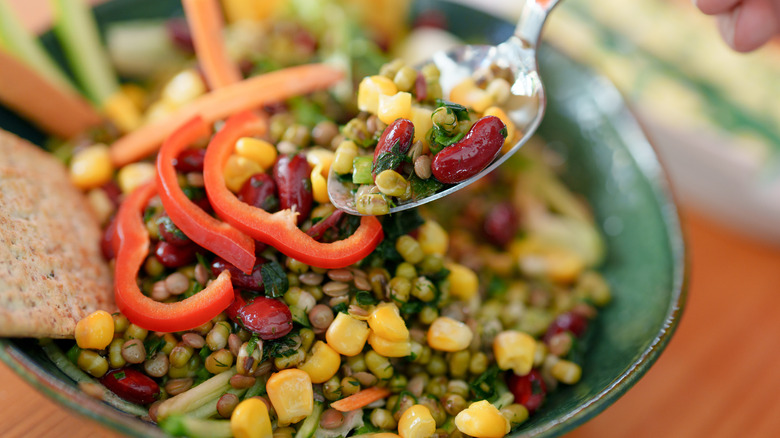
{"points": [[533, 13]]}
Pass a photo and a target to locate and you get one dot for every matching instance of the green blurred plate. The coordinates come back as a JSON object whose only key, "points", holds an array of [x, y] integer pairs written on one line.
{"points": [[610, 162]]}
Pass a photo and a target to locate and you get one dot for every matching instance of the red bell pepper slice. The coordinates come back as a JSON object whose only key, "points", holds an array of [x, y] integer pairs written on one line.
{"points": [[278, 229], [142, 310], [203, 229]]}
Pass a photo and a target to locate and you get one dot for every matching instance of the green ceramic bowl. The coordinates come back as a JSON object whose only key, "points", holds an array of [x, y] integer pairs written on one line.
{"points": [[610, 162]]}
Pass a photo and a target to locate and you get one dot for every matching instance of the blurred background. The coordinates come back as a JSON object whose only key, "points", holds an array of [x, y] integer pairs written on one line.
{"points": [[712, 115]]}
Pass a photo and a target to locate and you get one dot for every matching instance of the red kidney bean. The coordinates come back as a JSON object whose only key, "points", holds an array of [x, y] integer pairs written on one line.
{"points": [[501, 224], [400, 131], [471, 154], [529, 390], [292, 176], [172, 256], [420, 88], [260, 191], [109, 239], [179, 33], [113, 192], [317, 231], [571, 322], [131, 385], [190, 160], [170, 233], [240, 280], [269, 318], [235, 306]]}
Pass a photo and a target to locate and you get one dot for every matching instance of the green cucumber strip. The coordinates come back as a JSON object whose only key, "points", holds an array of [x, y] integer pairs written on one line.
{"points": [[183, 425], [18, 41], [311, 422], [77, 32], [361, 170]]}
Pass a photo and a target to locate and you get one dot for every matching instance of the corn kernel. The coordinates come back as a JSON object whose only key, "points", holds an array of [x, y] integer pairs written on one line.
{"points": [[374, 204], [257, 150], [347, 335], [158, 111], [91, 167], [515, 350], [389, 348], [382, 435], [345, 154], [254, 10], [100, 204], [416, 422], [447, 334], [469, 95], [134, 175], [95, 331], [183, 88], [433, 239], [482, 420], [238, 170], [566, 372], [500, 89], [511, 129], [319, 156], [387, 323], [319, 185], [121, 109], [464, 283], [409, 249], [397, 106], [421, 118], [371, 88], [291, 395], [391, 183], [563, 265], [136, 93], [322, 363], [250, 419]]}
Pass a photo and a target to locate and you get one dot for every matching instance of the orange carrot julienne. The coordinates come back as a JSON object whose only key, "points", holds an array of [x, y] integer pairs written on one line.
{"points": [[360, 399], [219, 104], [205, 20]]}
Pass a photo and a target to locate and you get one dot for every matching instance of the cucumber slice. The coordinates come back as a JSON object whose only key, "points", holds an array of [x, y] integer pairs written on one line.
{"points": [[311, 422], [361, 170]]}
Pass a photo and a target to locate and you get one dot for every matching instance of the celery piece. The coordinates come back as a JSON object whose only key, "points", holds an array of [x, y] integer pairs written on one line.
{"points": [[77, 32], [361, 170], [15, 39], [198, 396], [183, 425], [311, 422], [209, 409]]}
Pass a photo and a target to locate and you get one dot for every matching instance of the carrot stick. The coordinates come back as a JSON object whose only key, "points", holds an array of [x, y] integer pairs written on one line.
{"points": [[52, 108], [360, 399], [205, 20], [219, 104]]}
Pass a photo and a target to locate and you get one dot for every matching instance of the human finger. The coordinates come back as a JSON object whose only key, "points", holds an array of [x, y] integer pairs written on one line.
{"points": [[715, 7], [749, 25]]}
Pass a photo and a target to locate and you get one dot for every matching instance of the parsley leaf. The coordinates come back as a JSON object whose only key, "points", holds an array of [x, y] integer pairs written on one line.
{"points": [[341, 307], [484, 386], [422, 188], [282, 347], [153, 344], [274, 279], [171, 228], [365, 298], [390, 159], [397, 224], [120, 375], [460, 111], [251, 344]]}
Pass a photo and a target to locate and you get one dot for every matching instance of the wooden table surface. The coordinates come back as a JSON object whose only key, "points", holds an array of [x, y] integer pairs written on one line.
{"points": [[717, 378]]}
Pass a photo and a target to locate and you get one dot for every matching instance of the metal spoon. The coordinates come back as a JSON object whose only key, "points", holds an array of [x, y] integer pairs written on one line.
{"points": [[525, 106]]}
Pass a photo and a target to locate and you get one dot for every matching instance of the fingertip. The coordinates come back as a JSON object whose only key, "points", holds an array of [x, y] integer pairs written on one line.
{"points": [[750, 26], [715, 7]]}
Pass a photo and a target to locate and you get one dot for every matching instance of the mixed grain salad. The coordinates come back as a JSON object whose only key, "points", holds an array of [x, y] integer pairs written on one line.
{"points": [[250, 307]]}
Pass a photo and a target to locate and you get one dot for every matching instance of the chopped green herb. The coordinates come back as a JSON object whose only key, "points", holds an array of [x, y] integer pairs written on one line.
{"points": [[153, 344], [497, 287], [204, 353], [282, 347], [484, 386], [251, 344], [170, 227], [120, 375], [274, 279], [422, 188], [365, 298], [412, 307], [460, 111], [73, 353], [391, 159], [341, 307], [149, 213]]}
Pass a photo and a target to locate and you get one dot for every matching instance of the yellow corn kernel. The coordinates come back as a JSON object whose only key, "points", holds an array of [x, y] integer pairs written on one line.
{"points": [[416, 422], [515, 350], [482, 420], [469, 95], [464, 283], [382, 435], [500, 89], [391, 183], [136, 93], [345, 155], [250, 419], [319, 185], [238, 170], [322, 363], [421, 118], [433, 239], [388, 348], [319, 156], [257, 150], [371, 88], [91, 167], [511, 129], [566, 372], [447, 334], [291, 395], [183, 88], [121, 109], [255, 10], [397, 106], [101, 204], [563, 265], [347, 335], [387, 323], [95, 331], [158, 111], [134, 175]]}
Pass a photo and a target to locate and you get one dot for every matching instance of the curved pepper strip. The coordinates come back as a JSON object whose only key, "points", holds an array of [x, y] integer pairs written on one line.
{"points": [[142, 310], [208, 232], [278, 229]]}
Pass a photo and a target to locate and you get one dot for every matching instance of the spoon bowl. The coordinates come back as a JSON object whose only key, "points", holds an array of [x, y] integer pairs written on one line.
{"points": [[525, 105]]}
